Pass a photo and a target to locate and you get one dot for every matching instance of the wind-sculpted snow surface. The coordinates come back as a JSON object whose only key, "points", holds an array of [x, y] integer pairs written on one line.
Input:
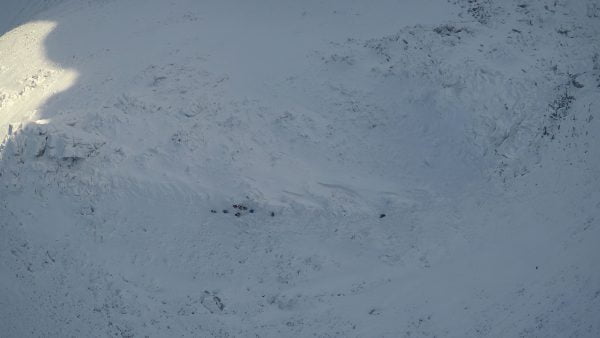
{"points": [[283, 168]]}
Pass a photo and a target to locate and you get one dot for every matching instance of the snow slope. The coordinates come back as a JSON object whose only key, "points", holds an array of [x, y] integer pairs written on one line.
{"points": [[17, 12], [415, 168]]}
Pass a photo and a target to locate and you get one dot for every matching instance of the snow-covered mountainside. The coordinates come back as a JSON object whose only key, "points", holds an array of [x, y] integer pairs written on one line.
{"points": [[340, 168]]}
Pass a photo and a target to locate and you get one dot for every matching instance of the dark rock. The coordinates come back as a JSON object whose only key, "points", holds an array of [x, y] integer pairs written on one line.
{"points": [[212, 302]]}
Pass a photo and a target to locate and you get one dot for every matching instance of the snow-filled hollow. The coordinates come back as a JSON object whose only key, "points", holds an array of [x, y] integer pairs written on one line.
{"points": [[289, 169]]}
